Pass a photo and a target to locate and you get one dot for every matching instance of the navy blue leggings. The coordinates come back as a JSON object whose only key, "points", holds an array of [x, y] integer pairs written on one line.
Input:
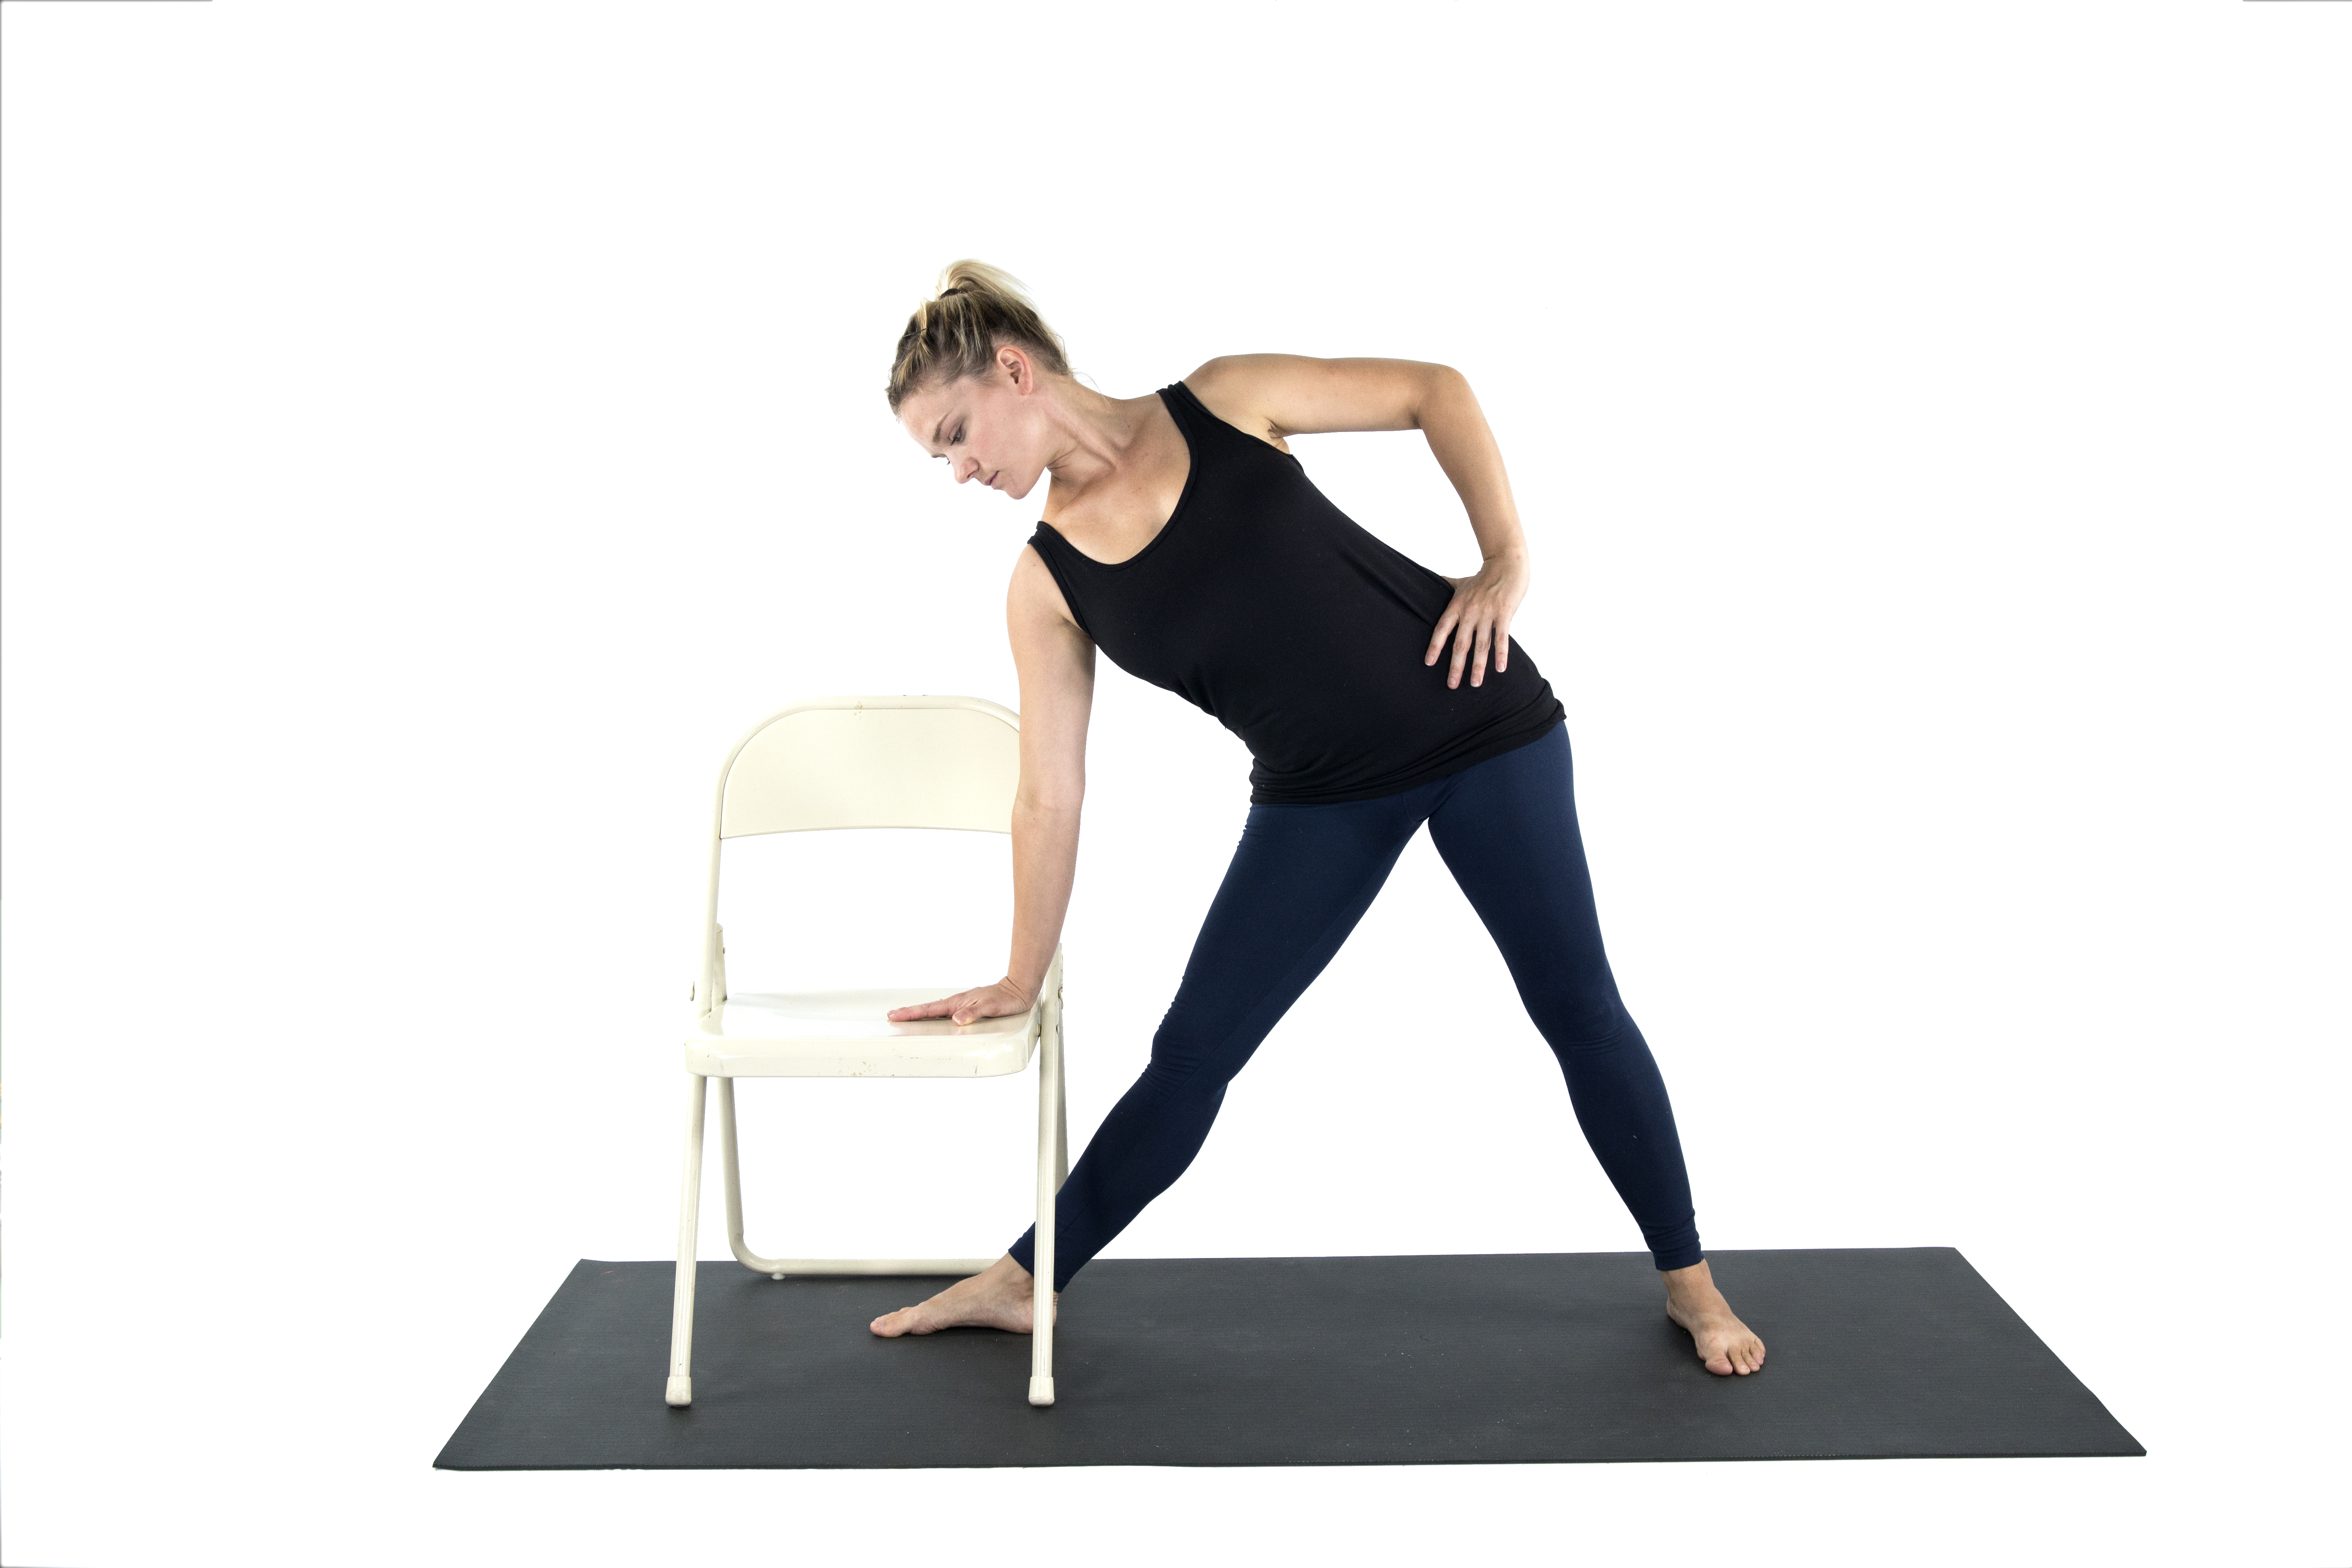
{"points": [[1301, 878]]}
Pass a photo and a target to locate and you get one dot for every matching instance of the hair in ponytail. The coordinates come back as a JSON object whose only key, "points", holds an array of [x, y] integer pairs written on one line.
{"points": [[957, 332]]}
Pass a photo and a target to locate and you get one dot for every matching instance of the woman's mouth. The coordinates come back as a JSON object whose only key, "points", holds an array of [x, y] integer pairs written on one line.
{"points": [[991, 478]]}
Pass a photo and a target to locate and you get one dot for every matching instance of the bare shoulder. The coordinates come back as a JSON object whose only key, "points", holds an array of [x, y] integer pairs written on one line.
{"points": [[1273, 395], [1053, 657], [1233, 387], [1033, 602]]}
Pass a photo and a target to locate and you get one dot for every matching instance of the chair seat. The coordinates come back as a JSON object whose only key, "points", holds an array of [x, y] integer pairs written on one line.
{"points": [[842, 1033]]}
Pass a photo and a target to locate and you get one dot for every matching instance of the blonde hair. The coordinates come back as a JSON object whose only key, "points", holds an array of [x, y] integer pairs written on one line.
{"points": [[956, 332]]}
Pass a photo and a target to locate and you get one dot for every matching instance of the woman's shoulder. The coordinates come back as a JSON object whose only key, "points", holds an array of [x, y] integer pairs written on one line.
{"points": [[1233, 388], [1035, 597]]}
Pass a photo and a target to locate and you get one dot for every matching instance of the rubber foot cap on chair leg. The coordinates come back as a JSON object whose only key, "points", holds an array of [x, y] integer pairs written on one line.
{"points": [[682, 1391], [1041, 1391]]}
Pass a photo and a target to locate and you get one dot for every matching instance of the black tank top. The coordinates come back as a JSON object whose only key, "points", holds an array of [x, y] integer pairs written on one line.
{"points": [[1266, 605]]}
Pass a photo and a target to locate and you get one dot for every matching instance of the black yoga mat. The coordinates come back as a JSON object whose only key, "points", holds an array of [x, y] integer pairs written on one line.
{"points": [[1509, 1358]]}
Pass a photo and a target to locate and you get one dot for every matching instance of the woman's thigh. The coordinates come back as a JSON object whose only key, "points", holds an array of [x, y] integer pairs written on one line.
{"points": [[1301, 878], [1507, 831]]}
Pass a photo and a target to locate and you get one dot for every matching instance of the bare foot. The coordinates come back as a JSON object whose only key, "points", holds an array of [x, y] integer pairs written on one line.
{"points": [[1724, 1343], [1001, 1296]]}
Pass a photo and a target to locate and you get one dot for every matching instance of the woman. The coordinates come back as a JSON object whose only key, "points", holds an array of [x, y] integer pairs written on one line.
{"points": [[1182, 537]]}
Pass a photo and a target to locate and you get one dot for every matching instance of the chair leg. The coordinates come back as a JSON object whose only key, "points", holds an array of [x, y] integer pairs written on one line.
{"points": [[1061, 1113], [732, 1165], [689, 1216], [1050, 1170]]}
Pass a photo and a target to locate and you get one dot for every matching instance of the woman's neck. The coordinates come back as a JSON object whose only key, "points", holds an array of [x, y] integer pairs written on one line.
{"points": [[1097, 436]]}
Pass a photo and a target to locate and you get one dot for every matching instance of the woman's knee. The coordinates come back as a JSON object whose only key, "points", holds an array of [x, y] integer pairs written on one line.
{"points": [[1192, 1061], [1581, 1019]]}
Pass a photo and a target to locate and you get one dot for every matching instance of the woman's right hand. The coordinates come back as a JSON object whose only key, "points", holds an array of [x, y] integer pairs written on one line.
{"points": [[998, 1001]]}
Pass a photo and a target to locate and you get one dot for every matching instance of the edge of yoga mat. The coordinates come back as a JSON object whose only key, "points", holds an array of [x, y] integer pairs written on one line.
{"points": [[1496, 1358]]}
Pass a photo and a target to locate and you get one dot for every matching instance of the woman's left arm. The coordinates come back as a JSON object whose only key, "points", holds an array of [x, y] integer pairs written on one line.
{"points": [[1291, 394]]}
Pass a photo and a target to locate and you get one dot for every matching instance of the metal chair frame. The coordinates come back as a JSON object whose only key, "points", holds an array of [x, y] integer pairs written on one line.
{"points": [[864, 762]]}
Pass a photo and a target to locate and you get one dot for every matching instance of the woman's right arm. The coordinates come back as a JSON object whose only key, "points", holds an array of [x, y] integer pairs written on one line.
{"points": [[1056, 661]]}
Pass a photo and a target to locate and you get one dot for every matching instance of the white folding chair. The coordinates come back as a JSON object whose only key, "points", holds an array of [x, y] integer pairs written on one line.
{"points": [[862, 762]]}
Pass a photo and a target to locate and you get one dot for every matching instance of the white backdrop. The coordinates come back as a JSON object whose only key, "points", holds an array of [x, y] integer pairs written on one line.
{"points": [[434, 431]]}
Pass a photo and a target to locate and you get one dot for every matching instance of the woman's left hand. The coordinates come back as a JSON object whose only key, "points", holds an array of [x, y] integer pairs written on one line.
{"points": [[1479, 619]]}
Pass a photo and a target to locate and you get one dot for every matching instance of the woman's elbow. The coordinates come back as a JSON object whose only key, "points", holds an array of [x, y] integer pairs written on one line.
{"points": [[1439, 384], [1043, 805]]}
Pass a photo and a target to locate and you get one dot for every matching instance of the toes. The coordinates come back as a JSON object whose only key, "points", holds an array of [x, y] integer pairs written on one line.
{"points": [[1719, 1364]]}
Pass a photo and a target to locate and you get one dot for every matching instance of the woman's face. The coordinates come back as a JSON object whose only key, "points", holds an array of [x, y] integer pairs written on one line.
{"points": [[990, 429]]}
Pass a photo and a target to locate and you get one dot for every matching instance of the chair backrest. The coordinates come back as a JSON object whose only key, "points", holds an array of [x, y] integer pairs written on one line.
{"points": [[860, 761], [873, 761]]}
